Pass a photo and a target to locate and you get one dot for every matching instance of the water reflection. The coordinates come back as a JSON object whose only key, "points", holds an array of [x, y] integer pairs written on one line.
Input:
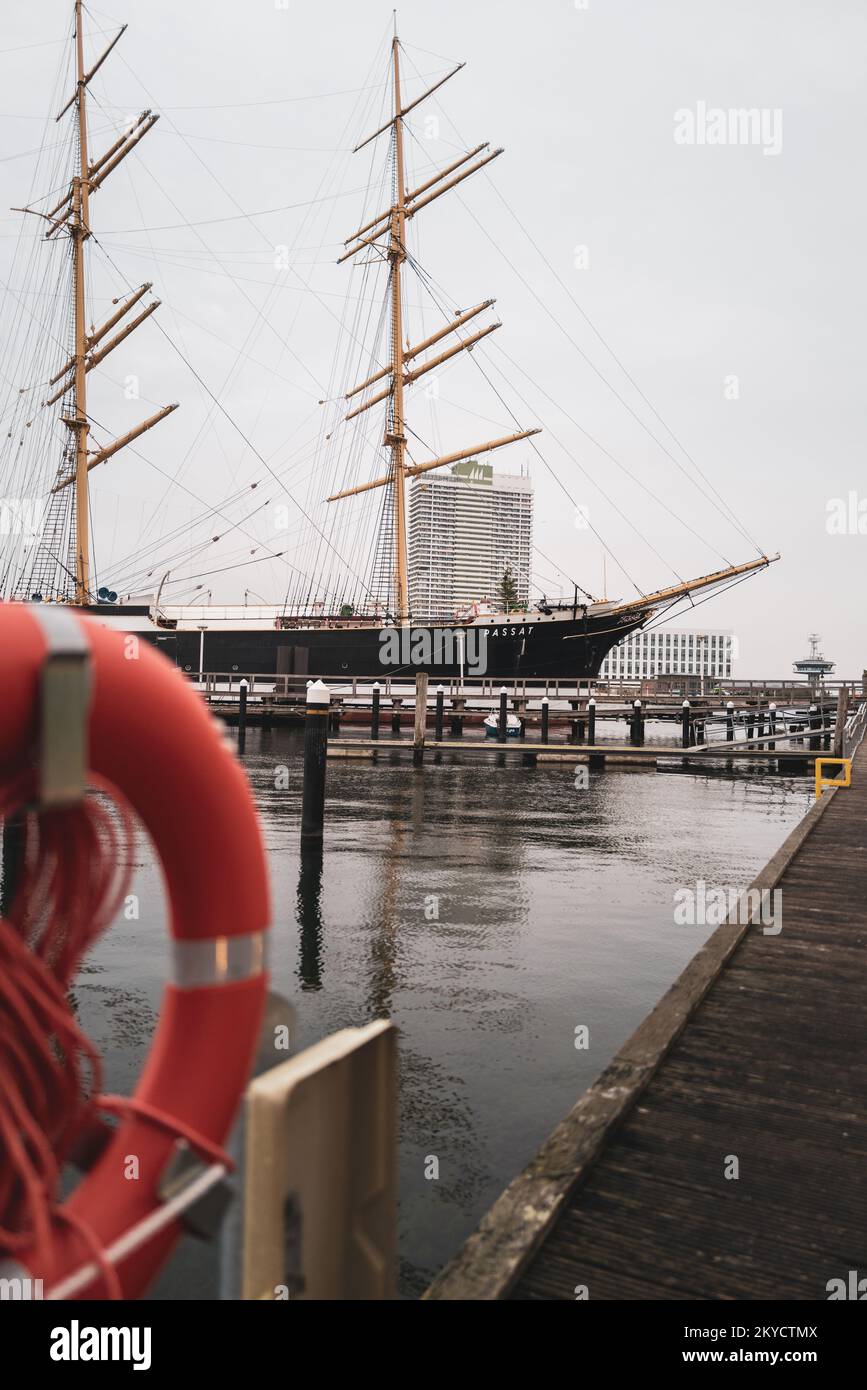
{"points": [[309, 910], [487, 910]]}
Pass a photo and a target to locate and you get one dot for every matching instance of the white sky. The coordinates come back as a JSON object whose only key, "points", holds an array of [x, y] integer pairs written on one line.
{"points": [[706, 262]]}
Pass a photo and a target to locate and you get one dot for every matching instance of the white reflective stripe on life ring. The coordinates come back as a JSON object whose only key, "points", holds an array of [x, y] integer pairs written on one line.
{"points": [[218, 960]]}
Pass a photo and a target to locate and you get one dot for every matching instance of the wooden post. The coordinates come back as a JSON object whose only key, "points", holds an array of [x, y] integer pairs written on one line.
{"points": [[815, 723], [591, 722], [840, 720], [395, 715], [321, 1160], [242, 715], [772, 725], [573, 726], [374, 713], [730, 722], [503, 723], [420, 730], [457, 719], [545, 717], [684, 724], [315, 761], [438, 731], [637, 727]]}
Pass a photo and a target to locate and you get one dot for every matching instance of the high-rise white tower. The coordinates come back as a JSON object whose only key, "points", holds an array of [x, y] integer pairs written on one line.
{"points": [[466, 528]]}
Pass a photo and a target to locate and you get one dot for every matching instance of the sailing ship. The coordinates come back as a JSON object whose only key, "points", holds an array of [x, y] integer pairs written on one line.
{"points": [[567, 638]]}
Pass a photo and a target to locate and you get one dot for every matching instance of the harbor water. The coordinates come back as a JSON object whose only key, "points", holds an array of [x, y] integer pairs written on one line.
{"points": [[494, 913]]}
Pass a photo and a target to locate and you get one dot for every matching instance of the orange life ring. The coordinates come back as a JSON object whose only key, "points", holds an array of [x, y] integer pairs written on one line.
{"points": [[152, 739]]}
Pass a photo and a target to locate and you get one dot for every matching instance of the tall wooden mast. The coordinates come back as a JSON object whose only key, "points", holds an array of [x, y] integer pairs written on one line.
{"points": [[72, 215], [392, 224], [396, 436], [78, 422]]}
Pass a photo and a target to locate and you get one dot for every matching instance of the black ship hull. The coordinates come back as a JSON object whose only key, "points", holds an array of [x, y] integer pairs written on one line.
{"points": [[563, 648]]}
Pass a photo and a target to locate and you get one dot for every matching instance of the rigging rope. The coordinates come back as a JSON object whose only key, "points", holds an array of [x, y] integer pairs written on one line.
{"points": [[721, 505]]}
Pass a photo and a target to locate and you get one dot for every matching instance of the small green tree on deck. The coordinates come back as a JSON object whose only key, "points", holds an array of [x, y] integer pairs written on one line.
{"points": [[508, 590]]}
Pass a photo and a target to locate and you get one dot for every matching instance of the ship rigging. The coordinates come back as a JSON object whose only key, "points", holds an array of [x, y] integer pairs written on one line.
{"points": [[62, 561], [315, 630]]}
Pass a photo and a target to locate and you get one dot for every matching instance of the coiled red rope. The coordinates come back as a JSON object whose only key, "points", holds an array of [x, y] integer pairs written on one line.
{"points": [[74, 872], [72, 878]]}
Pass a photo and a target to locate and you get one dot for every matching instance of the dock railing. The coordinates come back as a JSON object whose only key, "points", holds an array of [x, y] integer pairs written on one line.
{"points": [[855, 729], [224, 684]]}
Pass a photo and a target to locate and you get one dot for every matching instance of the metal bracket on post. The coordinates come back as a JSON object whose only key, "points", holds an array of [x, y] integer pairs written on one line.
{"points": [[204, 1216], [64, 702]]}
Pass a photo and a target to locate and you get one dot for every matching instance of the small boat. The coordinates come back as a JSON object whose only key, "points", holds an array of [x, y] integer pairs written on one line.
{"points": [[492, 725]]}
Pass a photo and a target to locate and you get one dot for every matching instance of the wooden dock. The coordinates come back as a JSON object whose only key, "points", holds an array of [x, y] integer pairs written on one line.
{"points": [[756, 1054], [649, 755], [780, 741]]}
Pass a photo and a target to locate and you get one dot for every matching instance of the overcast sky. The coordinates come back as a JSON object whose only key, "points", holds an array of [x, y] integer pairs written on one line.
{"points": [[727, 278]]}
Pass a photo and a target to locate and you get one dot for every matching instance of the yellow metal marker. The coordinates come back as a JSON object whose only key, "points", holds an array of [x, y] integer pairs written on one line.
{"points": [[822, 781]]}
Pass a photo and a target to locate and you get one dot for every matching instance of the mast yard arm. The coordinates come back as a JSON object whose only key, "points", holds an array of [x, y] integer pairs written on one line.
{"points": [[705, 581], [102, 454]]}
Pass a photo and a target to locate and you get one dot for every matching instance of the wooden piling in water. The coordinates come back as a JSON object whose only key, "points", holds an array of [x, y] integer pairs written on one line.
{"points": [[545, 718], [503, 722], [636, 730], [456, 723], [421, 684], [242, 715], [315, 761], [591, 721], [438, 729], [685, 724], [374, 712]]}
